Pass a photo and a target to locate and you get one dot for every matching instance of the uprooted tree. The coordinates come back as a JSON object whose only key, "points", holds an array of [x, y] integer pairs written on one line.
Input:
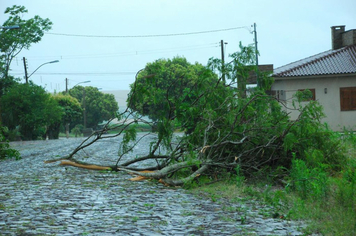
{"points": [[224, 127]]}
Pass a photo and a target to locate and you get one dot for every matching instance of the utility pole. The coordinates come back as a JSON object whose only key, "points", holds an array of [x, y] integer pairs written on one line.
{"points": [[84, 110], [222, 60], [67, 124], [25, 66], [256, 52]]}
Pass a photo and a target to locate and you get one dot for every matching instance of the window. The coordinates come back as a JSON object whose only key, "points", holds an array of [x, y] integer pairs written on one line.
{"points": [[307, 96], [348, 99]]}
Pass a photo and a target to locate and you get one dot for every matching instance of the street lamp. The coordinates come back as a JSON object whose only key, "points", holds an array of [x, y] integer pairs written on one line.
{"points": [[27, 77], [88, 81], [83, 82]]}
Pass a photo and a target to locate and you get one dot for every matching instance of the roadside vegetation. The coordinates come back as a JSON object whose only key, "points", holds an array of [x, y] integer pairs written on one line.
{"points": [[27, 110], [325, 200]]}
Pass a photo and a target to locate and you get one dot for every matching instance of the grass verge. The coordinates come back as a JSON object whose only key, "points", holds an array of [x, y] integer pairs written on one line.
{"points": [[326, 217], [325, 201]]}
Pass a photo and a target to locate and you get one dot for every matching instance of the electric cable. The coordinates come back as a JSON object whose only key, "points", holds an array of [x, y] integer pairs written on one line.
{"points": [[129, 53], [146, 36]]}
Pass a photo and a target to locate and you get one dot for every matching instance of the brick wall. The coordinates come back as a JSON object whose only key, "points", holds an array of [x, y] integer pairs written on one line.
{"points": [[349, 37], [336, 36]]}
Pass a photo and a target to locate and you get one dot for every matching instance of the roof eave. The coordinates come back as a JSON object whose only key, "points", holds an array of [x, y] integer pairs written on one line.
{"points": [[276, 77]]}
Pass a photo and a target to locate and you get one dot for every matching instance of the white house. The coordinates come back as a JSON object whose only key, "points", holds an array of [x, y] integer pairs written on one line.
{"points": [[330, 76]]}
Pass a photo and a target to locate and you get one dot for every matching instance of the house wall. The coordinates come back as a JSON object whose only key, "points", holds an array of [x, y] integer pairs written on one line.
{"points": [[330, 100]]}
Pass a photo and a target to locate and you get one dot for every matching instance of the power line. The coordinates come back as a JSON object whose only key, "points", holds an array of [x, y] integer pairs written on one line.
{"points": [[84, 73], [130, 53], [147, 36]]}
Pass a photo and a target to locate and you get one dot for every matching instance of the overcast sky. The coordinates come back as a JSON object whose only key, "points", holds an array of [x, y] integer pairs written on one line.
{"points": [[286, 31]]}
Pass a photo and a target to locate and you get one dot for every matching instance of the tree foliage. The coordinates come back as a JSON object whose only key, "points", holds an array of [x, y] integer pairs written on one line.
{"points": [[70, 105], [13, 41], [31, 108], [5, 150], [98, 106], [71, 111], [226, 128], [166, 85]]}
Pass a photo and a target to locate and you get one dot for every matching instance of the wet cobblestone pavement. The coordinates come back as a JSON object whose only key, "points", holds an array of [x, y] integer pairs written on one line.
{"points": [[47, 199]]}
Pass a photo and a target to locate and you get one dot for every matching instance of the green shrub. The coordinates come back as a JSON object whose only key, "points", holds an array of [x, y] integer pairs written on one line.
{"points": [[5, 150], [346, 192], [309, 182], [240, 179]]}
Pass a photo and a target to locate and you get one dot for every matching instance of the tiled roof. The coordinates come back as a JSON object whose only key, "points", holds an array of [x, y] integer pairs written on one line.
{"points": [[340, 61]]}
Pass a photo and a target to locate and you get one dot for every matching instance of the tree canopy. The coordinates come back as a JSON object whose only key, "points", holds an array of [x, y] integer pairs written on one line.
{"points": [[13, 41], [31, 108], [72, 111], [98, 106], [166, 87], [24, 108]]}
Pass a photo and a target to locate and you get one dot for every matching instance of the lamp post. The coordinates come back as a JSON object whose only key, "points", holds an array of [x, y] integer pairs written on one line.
{"points": [[256, 54], [83, 82], [84, 109], [27, 77]]}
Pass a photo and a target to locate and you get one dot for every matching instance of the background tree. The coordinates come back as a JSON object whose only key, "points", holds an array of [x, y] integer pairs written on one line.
{"points": [[13, 41], [31, 108], [98, 106], [72, 111]]}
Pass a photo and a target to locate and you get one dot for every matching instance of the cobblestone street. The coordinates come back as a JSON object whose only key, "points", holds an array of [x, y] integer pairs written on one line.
{"points": [[47, 199]]}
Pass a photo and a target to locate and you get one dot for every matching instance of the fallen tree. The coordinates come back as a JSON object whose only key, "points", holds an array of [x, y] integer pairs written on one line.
{"points": [[224, 130]]}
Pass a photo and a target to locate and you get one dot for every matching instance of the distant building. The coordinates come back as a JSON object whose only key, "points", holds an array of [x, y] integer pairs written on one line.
{"points": [[330, 76]]}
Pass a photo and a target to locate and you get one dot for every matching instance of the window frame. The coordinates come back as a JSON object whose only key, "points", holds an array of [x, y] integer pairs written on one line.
{"points": [[347, 98]]}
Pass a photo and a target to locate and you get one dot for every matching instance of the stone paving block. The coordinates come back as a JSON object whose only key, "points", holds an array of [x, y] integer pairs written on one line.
{"points": [[71, 201]]}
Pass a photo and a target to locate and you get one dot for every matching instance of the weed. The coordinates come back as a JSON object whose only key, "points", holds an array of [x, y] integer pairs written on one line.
{"points": [[264, 212], [213, 197], [227, 219], [230, 208], [163, 222], [200, 227], [243, 219], [51, 222], [149, 205], [240, 179], [187, 213]]}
